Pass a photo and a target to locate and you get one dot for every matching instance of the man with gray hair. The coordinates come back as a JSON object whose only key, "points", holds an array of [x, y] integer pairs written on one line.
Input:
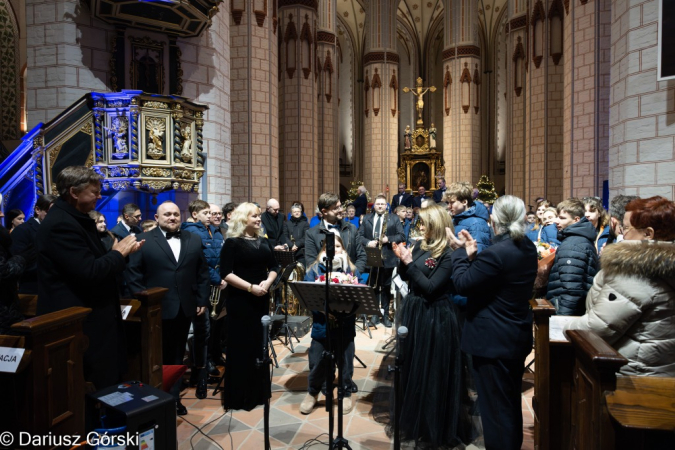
{"points": [[74, 269], [617, 209]]}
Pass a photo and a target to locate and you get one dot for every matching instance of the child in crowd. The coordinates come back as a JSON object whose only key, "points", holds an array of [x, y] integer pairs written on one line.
{"points": [[317, 368], [596, 214], [576, 260]]}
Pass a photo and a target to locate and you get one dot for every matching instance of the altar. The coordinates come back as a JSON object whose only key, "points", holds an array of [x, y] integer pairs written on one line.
{"points": [[421, 163]]}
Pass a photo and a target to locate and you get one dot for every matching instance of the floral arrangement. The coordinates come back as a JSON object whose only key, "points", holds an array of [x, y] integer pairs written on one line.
{"points": [[544, 249], [338, 278]]}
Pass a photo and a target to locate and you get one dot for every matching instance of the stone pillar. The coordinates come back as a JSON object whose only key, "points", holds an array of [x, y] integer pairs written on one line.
{"points": [[205, 63], [517, 94], [67, 56], [254, 101], [381, 99], [328, 96], [586, 97], [641, 159], [462, 78], [298, 86]]}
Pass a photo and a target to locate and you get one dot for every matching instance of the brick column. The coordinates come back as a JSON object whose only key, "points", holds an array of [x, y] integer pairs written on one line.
{"points": [[328, 95], [381, 99], [67, 56], [463, 74], [254, 102], [298, 85], [585, 152], [641, 160], [205, 62]]}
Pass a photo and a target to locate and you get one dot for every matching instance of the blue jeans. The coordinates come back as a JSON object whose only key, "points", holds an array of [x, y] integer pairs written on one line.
{"points": [[317, 367]]}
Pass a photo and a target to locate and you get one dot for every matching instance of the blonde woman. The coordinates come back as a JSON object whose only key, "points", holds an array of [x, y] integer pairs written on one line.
{"points": [[247, 265]]}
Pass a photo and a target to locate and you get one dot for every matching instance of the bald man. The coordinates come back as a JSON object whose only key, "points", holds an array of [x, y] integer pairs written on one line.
{"points": [[273, 223], [174, 260]]}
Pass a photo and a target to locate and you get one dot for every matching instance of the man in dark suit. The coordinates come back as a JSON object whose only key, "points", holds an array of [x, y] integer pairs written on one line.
{"points": [[23, 238], [438, 193], [417, 201], [172, 259], [76, 270], [402, 198], [131, 217], [361, 202], [331, 208], [273, 223], [373, 233]]}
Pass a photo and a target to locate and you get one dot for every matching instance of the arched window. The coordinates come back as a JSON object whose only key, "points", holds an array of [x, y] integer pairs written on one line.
{"points": [[447, 92], [538, 38], [556, 17]]}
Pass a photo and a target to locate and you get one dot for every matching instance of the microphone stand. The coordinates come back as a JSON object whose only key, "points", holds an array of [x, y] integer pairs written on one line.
{"points": [[263, 364], [398, 364], [328, 352]]}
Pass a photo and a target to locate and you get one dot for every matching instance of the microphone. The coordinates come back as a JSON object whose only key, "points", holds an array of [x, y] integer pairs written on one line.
{"points": [[402, 333], [265, 320]]}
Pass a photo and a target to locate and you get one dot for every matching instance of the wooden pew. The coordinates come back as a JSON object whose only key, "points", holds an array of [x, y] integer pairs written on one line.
{"points": [[46, 395], [143, 330], [552, 400], [617, 412]]}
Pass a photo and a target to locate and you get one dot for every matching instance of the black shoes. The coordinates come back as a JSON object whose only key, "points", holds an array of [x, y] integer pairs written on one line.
{"points": [[200, 392], [212, 369], [181, 410], [386, 322]]}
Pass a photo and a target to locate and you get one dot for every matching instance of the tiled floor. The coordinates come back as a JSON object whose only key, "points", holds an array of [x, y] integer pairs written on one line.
{"points": [[291, 430]]}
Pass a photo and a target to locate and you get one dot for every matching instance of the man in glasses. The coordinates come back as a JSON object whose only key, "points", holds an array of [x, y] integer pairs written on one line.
{"points": [[131, 218]]}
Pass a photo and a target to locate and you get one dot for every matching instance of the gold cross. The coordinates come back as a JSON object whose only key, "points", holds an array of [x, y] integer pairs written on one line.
{"points": [[418, 92]]}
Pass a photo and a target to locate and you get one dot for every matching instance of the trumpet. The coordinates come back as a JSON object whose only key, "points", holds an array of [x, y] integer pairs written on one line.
{"points": [[214, 298]]}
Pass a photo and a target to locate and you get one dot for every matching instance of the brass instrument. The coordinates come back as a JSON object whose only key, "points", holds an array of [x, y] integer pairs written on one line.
{"points": [[214, 299], [292, 302], [385, 218]]}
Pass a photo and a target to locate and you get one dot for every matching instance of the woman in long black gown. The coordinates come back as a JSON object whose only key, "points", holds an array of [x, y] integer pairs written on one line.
{"points": [[432, 380], [247, 265]]}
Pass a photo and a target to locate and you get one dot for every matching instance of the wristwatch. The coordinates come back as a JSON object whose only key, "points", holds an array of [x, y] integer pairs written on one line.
{"points": [[250, 287]]}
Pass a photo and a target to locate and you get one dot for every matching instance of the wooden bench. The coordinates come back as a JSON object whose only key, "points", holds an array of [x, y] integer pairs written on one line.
{"points": [[143, 329], [46, 394]]}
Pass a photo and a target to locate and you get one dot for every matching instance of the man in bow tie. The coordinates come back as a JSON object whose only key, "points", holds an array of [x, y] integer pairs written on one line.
{"points": [[131, 218], [402, 198], [172, 260], [381, 230]]}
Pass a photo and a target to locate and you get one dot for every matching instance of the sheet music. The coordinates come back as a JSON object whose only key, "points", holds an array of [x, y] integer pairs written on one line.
{"points": [[556, 325], [401, 285]]}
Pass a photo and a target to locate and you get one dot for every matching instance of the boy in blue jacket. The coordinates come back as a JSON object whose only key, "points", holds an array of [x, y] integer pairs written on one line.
{"points": [[212, 242]]}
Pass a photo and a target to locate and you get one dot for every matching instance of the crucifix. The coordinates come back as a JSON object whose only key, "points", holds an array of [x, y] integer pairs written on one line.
{"points": [[418, 92]]}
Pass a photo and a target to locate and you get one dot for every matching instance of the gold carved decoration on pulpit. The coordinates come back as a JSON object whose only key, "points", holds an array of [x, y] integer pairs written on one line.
{"points": [[155, 127]]}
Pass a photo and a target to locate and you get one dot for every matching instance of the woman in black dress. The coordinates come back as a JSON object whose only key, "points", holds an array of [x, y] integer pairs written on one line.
{"points": [[432, 380], [247, 265]]}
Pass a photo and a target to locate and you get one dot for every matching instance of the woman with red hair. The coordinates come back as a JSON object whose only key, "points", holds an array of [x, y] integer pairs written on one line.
{"points": [[632, 302]]}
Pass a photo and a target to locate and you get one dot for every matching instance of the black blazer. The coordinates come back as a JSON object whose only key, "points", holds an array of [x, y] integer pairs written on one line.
{"points": [[417, 201], [75, 269], [120, 231], [274, 227], [187, 279], [498, 284], [438, 195], [297, 229], [349, 234], [404, 199], [360, 205], [394, 233], [23, 237]]}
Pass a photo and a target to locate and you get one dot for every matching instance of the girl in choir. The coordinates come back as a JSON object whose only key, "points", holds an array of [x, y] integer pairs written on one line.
{"points": [[14, 218], [596, 214], [542, 232], [317, 369]]}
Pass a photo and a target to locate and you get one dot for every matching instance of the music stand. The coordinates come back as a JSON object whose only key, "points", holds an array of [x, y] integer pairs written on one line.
{"points": [[344, 300], [287, 260], [374, 257], [374, 260]]}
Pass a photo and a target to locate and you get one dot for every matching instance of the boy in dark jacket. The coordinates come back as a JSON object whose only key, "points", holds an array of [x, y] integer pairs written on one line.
{"points": [[212, 242], [576, 260]]}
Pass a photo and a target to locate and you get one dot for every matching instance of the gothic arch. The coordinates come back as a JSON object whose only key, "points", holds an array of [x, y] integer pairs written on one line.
{"points": [[9, 73]]}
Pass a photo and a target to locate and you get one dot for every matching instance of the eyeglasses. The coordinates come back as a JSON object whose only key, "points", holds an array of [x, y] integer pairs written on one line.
{"points": [[137, 216], [216, 214]]}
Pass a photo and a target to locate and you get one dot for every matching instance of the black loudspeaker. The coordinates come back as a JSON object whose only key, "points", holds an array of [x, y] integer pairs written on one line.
{"points": [[148, 414]]}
